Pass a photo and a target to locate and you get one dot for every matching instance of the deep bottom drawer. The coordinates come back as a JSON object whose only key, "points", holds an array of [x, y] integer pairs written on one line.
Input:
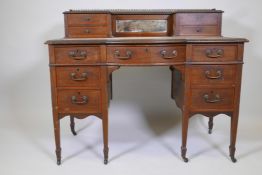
{"points": [[213, 98], [79, 101]]}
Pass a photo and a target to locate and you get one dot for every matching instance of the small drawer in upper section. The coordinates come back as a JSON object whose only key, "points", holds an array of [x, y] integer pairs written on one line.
{"points": [[87, 25], [146, 54], [77, 55], [197, 30], [213, 74], [80, 76], [87, 32], [214, 53], [206, 24], [86, 19]]}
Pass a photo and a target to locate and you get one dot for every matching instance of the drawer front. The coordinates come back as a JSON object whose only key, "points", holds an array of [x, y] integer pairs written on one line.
{"points": [[87, 32], [214, 53], [213, 74], [212, 98], [198, 30], [78, 76], [144, 54], [198, 18], [86, 19], [168, 54], [77, 55], [79, 101], [127, 54]]}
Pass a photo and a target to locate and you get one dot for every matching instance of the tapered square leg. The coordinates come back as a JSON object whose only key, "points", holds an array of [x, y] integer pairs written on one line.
{"points": [[185, 121], [210, 125], [233, 135], [72, 125], [57, 137], [105, 138], [106, 150], [232, 151], [58, 156], [183, 153]]}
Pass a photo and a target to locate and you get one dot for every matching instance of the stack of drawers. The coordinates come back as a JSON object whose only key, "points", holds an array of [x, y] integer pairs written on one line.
{"points": [[87, 25], [77, 85], [214, 77], [198, 24]]}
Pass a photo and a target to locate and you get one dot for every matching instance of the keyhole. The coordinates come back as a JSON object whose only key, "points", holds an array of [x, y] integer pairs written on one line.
{"points": [[77, 69], [198, 30]]}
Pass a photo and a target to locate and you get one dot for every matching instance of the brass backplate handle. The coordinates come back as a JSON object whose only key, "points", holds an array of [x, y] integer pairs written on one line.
{"points": [[82, 77], [118, 55], [215, 99], [217, 76], [79, 100], [87, 18], [78, 54], [165, 55], [214, 53]]}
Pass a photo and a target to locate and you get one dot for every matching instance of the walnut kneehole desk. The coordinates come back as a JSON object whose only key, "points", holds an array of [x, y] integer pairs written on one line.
{"points": [[206, 67]]}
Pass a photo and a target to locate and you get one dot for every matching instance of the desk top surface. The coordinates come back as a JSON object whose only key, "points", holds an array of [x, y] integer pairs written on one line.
{"points": [[141, 11], [147, 40]]}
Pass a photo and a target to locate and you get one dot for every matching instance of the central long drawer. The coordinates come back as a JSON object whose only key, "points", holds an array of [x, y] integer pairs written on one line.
{"points": [[146, 54]]}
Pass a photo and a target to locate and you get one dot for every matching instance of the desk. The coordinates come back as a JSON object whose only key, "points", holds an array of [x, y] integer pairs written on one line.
{"points": [[206, 67]]}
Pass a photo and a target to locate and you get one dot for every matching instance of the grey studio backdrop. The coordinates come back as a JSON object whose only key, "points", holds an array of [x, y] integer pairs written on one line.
{"points": [[144, 127]]}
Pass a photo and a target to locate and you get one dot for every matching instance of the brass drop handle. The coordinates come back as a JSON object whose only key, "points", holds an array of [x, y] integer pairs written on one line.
{"points": [[87, 18], [215, 99], [87, 31], [214, 53], [217, 76], [78, 54], [198, 30], [164, 54], [118, 56], [74, 77], [79, 100]]}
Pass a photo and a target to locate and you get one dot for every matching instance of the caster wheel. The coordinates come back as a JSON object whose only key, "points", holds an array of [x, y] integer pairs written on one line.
{"points": [[210, 131], [105, 162], [234, 160], [185, 159], [58, 162]]}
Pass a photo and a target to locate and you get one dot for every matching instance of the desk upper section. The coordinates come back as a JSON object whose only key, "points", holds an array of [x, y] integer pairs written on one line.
{"points": [[126, 23]]}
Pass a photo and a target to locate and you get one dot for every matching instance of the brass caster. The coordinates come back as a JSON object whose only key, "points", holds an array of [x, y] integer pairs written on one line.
{"points": [[185, 159], [234, 160], [183, 153], [105, 161], [58, 162], [210, 131], [74, 133]]}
